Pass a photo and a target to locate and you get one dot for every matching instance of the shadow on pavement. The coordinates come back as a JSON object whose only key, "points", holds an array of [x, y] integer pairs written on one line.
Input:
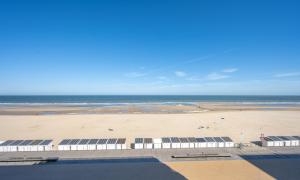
{"points": [[132, 168], [280, 166]]}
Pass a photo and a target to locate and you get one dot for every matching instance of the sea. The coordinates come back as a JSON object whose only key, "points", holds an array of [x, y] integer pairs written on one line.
{"points": [[112, 100]]}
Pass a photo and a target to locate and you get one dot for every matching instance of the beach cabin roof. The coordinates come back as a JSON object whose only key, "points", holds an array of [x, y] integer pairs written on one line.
{"points": [[183, 140], [121, 141], [36, 142], [175, 140], [74, 142], [84, 141], [8, 142], [93, 141], [148, 140], [17, 142], [166, 140], [46, 142], [209, 139], [192, 139], [102, 141], [227, 139], [139, 140], [112, 141], [65, 142], [274, 138], [218, 139], [297, 137], [283, 138], [26, 143], [200, 140]]}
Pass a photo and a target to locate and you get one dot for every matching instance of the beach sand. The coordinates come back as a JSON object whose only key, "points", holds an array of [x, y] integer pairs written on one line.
{"points": [[242, 126]]}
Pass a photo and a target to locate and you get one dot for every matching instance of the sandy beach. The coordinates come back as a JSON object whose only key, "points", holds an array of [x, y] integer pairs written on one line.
{"points": [[241, 123], [241, 126]]}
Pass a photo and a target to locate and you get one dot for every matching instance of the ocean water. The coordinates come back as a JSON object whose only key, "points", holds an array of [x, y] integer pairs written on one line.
{"points": [[159, 99]]}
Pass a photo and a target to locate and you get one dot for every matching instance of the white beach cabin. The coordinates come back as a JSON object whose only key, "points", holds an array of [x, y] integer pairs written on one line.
{"points": [[157, 143], [92, 145], [192, 142], [175, 143], [46, 145], [121, 143], [210, 142], [277, 141], [111, 144], [287, 141], [138, 143], [228, 142], [296, 140], [201, 143], [148, 143], [74, 144], [220, 142], [101, 145], [83, 145], [184, 143], [166, 143], [64, 145]]}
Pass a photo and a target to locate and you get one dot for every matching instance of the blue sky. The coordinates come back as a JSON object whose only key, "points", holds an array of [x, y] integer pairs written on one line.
{"points": [[150, 47]]}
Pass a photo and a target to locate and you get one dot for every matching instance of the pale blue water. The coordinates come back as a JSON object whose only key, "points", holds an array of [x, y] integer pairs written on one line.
{"points": [[161, 99]]}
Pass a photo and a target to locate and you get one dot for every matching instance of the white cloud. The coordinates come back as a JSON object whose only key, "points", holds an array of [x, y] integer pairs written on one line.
{"points": [[216, 76], [180, 74], [291, 74], [135, 74], [230, 70]]}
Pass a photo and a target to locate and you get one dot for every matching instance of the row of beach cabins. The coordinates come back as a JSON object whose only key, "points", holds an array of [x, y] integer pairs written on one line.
{"points": [[279, 141], [182, 142], [139, 143]]}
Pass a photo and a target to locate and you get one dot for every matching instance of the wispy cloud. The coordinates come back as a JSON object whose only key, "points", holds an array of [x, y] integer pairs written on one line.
{"points": [[216, 76], [180, 74], [230, 70], [291, 74], [163, 78], [135, 74]]}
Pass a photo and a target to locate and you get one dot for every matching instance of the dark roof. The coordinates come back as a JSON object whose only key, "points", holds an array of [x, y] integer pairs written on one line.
{"points": [[165, 140], [46, 142], [73, 142], [274, 138], [93, 141], [227, 139], [148, 140], [25, 143], [138, 140], [36, 142], [192, 139], [268, 139], [102, 141], [17, 142], [112, 141], [183, 140], [64, 142], [175, 140], [8, 142], [200, 140], [283, 138], [121, 141], [209, 139], [83, 141], [297, 137], [218, 139]]}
